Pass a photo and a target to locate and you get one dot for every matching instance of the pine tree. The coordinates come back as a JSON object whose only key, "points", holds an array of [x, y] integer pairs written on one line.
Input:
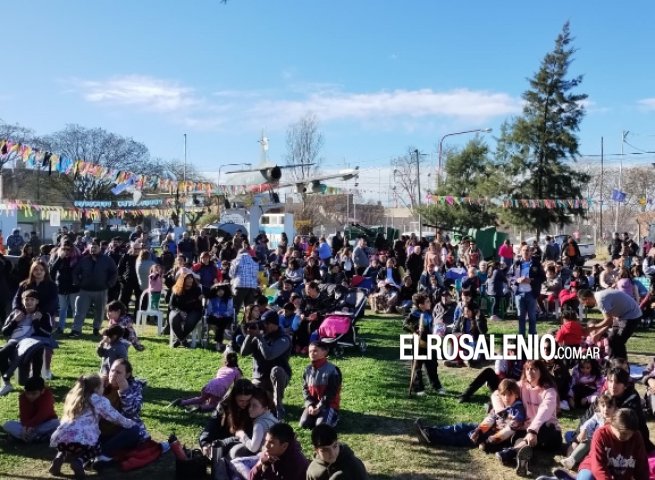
{"points": [[535, 151], [467, 174]]}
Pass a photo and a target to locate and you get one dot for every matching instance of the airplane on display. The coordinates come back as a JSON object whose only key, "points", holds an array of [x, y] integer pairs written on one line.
{"points": [[272, 176]]}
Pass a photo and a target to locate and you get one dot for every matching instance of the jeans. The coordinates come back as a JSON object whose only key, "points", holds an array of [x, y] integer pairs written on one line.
{"points": [[454, 435], [124, 439], [183, 324], [275, 383], [82, 305], [66, 301], [487, 376], [40, 433], [584, 474], [526, 306], [327, 415]]}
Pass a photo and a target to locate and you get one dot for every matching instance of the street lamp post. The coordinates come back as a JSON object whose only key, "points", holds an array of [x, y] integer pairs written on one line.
{"points": [[477, 130], [218, 179]]}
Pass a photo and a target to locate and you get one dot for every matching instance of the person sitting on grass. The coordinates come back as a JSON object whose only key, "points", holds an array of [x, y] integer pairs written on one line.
{"points": [[579, 448], [499, 426], [617, 452], [281, 456], [111, 348], [539, 395], [37, 417], [215, 390], [586, 382], [419, 322], [333, 459], [117, 315], [571, 333], [77, 437], [289, 319], [321, 386]]}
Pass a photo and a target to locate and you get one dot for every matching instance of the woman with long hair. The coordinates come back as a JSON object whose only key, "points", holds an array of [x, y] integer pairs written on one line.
{"points": [[185, 307]]}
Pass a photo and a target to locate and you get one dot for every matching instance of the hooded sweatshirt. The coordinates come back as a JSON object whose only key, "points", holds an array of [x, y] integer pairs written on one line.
{"points": [[347, 465], [292, 465]]}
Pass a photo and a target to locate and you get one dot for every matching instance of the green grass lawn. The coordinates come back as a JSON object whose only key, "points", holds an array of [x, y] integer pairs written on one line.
{"points": [[376, 414]]}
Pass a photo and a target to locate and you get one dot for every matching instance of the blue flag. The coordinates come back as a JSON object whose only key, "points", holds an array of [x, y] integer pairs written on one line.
{"points": [[618, 195]]}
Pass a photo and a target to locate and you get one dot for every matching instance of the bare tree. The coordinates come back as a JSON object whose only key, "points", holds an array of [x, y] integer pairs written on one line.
{"points": [[405, 173], [99, 147], [304, 144]]}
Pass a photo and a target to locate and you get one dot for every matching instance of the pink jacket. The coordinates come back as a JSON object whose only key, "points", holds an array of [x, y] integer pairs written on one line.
{"points": [[540, 406], [506, 251]]}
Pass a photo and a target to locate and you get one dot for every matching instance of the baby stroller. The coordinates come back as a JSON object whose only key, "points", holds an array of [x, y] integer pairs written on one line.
{"points": [[339, 329]]}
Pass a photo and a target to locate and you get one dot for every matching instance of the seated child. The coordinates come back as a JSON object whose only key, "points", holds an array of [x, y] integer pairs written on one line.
{"points": [[111, 347], [220, 311], [283, 296], [212, 393], [579, 448], [571, 333], [259, 411], [117, 315], [36, 409], [289, 319], [77, 436], [586, 381], [333, 459], [497, 428], [321, 386], [251, 317]]}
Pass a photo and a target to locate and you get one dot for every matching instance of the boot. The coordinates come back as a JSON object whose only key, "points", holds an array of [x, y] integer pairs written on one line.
{"points": [[55, 466], [506, 455]]}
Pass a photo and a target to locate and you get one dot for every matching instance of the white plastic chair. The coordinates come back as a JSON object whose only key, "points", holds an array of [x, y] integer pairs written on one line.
{"points": [[142, 315], [196, 334]]}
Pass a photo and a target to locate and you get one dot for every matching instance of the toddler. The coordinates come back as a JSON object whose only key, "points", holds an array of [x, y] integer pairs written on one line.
{"points": [[605, 408], [117, 315], [155, 280], [499, 427]]}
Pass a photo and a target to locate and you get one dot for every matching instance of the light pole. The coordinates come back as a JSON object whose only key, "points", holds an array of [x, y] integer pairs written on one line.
{"points": [[624, 134], [477, 130]]}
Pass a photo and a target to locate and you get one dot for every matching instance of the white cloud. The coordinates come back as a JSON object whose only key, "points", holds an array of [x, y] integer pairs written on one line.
{"points": [[392, 109], [461, 103], [141, 91], [647, 103]]}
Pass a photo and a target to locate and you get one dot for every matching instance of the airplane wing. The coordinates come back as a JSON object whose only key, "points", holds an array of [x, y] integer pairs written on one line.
{"points": [[346, 174], [268, 167]]}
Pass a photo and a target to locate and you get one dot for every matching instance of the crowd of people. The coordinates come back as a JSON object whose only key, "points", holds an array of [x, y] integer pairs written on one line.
{"points": [[201, 281], [527, 397], [194, 279]]}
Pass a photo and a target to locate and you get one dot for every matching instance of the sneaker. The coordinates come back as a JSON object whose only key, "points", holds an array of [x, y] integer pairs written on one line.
{"points": [[562, 474], [474, 435], [567, 462], [139, 348], [506, 455], [464, 399], [495, 318], [281, 413], [442, 391], [47, 375], [421, 393], [423, 437], [6, 389], [564, 405], [101, 463], [220, 347], [165, 447], [174, 403], [74, 334], [523, 457], [55, 466]]}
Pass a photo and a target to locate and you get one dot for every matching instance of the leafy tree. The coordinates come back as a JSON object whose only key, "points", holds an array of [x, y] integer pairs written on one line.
{"points": [[15, 133], [534, 150], [468, 175]]}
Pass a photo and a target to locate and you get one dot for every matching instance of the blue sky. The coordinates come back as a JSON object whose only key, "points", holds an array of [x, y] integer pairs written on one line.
{"points": [[380, 75]]}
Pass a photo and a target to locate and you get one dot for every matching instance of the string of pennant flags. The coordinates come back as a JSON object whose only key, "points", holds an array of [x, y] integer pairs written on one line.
{"points": [[30, 209], [549, 203]]}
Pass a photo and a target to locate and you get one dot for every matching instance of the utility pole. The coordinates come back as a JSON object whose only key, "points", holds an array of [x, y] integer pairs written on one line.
{"points": [[601, 187], [624, 133], [183, 219]]}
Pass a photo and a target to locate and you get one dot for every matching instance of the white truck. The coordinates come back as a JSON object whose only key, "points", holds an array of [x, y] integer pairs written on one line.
{"points": [[587, 250]]}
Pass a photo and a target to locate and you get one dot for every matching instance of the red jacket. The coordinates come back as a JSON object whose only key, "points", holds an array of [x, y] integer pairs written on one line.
{"points": [[571, 333], [610, 459], [35, 413]]}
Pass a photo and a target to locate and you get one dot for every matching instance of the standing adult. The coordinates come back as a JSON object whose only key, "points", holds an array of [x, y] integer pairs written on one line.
{"points": [[128, 276], [551, 252], [35, 241], [185, 306], [337, 243], [186, 247], [94, 274], [270, 352], [613, 304], [6, 286], [360, 257], [527, 275], [15, 242], [615, 246], [506, 253], [24, 262], [571, 251], [61, 271], [244, 274]]}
